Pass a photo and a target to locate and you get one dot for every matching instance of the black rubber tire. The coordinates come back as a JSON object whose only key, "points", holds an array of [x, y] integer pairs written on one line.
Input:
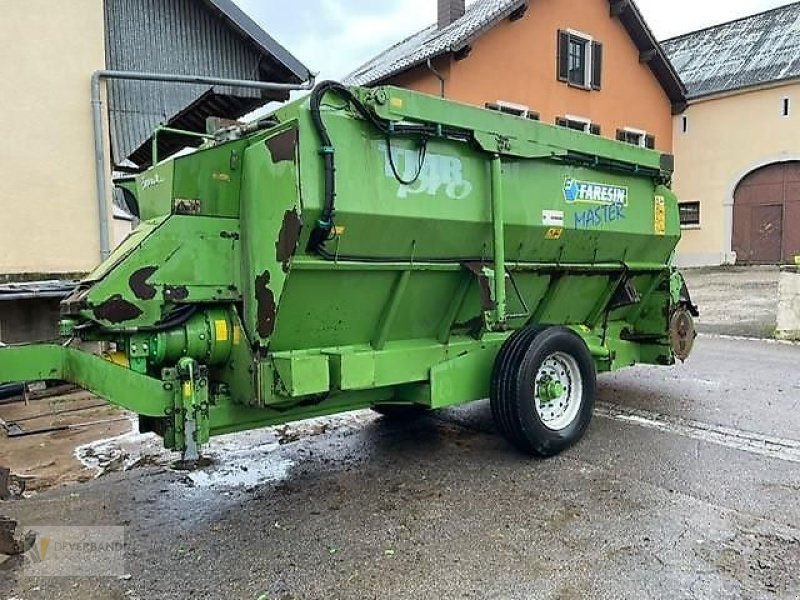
{"points": [[512, 385], [401, 412]]}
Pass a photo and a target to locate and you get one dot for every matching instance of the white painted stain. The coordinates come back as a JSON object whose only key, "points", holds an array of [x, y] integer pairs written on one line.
{"points": [[745, 441], [438, 173]]}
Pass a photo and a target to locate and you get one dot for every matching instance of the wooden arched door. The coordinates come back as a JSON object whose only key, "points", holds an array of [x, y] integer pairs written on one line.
{"points": [[766, 215]]}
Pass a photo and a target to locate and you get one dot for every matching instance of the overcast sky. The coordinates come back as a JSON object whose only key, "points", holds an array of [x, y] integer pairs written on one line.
{"points": [[335, 36]]}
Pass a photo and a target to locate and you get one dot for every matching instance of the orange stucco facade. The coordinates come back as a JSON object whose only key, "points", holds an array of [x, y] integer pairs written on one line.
{"points": [[516, 61]]}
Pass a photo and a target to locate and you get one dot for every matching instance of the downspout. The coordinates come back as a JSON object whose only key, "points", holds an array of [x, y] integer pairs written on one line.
{"points": [[97, 120], [438, 76]]}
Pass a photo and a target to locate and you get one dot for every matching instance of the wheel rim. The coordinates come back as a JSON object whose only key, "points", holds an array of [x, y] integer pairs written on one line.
{"points": [[558, 391]]}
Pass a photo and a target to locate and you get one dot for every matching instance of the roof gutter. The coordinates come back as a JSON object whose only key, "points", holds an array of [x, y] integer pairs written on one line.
{"points": [[97, 120]]}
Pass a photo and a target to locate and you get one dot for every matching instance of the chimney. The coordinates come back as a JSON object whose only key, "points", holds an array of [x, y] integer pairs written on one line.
{"points": [[450, 11]]}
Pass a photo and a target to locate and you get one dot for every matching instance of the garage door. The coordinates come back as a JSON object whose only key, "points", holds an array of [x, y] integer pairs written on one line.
{"points": [[766, 215]]}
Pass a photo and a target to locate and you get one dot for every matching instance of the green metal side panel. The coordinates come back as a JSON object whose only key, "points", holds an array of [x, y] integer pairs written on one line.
{"points": [[212, 177], [180, 259], [271, 223]]}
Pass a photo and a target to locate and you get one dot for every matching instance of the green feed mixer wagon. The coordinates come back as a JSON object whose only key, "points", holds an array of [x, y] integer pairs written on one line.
{"points": [[379, 248]]}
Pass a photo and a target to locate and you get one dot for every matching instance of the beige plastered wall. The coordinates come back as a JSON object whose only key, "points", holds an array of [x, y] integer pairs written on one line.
{"points": [[48, 205], [728, 137]]}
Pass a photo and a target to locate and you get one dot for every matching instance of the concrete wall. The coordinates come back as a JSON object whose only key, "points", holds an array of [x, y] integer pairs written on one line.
{"points": [[516, 62], [727, 138], [48, 207]]}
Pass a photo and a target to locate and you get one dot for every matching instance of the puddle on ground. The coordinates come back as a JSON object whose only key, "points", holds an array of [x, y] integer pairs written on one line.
{"points": [[237, 460]]}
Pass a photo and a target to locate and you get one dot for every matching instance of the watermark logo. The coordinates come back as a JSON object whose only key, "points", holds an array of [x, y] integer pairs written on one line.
{"points": [[76, 552], [39, 551], [432, 173], [589, 192]]}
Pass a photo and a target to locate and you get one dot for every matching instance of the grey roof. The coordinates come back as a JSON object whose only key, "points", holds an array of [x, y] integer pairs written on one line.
{"points": [[752, 51], [432, 41], [482, 15], [212, 38], [250, 29]]}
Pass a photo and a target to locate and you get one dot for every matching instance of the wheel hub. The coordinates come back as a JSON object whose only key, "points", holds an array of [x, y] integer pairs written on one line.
{"points": [[558, 391]]}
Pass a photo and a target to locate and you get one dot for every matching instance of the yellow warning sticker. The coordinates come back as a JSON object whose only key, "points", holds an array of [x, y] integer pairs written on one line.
{"points": [[554, 233], [660, 223], [221, 330], [237, 335], [396, 102], [339, 229]]}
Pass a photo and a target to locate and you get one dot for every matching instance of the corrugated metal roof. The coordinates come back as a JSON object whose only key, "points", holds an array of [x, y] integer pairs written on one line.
{"points": [[210, 38], [432, 41], [752, 51], [481, 16], [250, 29]]}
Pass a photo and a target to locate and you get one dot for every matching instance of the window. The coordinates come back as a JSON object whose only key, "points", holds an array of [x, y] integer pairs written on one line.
{"points": [[510, 108], [690, 214], [636, 137], [787, 107], [579, 60], [578, 124]]}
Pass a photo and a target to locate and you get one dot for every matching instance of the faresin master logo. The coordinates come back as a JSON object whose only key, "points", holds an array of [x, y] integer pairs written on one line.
{"points": [[588, 192]]}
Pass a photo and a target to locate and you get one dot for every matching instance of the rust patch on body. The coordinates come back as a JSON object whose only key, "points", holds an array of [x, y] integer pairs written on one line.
{"points": [[282, 146], [138, 283], [176, 292], [116, 310], [265, 306], [473, 327], [287, 238], [487, 303]]}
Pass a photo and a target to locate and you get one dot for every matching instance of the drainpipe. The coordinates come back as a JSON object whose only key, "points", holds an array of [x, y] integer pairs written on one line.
{"points": [[97, 118], [438, 76]]}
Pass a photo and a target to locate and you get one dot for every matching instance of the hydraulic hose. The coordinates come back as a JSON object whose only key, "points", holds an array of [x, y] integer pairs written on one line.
{"points": [[324, 226]]}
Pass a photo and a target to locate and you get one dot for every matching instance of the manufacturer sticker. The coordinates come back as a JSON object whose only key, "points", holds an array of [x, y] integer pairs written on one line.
{"points": [[590, 192], [660, 223], [554, 233], [553, 218]]}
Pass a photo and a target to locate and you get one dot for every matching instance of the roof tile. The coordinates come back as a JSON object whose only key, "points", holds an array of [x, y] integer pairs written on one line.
{"points": [[432, 42]]}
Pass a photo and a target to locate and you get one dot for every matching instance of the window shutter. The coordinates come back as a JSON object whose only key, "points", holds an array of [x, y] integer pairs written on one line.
{"points": [[562, 58], [650, 142], [594, 129], [597, 65], [620, 135]]}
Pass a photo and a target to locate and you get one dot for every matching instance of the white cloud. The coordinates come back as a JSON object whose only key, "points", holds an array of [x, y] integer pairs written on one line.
{"points": [[336, 36]]}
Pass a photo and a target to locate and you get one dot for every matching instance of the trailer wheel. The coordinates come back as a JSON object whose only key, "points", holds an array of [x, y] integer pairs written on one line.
{"points": [[543, 389]]}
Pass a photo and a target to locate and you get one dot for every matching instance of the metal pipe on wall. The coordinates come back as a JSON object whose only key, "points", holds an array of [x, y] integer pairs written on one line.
{"points": [[97, 121], [438, 76]]}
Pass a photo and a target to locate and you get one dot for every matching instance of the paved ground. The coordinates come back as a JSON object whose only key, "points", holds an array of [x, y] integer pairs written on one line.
{"points": [[686, 486], [740, 301]]}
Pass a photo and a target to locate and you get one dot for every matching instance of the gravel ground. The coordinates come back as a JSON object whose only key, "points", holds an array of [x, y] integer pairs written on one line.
{"points": [[739, 301]]}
